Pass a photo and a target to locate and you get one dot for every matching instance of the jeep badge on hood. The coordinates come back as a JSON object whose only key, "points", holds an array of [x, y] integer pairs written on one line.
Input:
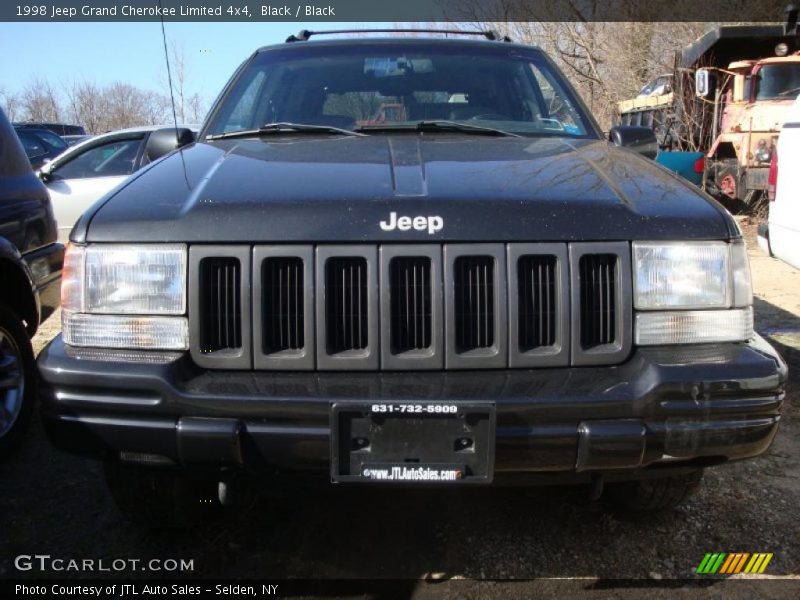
{"points": [[432, 224]]}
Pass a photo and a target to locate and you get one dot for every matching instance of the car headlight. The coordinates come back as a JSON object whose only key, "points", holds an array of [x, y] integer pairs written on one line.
{"points": [[691, 292], [763, 152], [125, 296]]}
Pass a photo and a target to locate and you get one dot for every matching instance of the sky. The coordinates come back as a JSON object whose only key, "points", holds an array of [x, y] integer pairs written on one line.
{"points": [[134, 52]]}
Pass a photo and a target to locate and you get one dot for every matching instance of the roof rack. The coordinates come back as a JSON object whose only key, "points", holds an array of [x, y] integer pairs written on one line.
{"points": [[305, 34]]}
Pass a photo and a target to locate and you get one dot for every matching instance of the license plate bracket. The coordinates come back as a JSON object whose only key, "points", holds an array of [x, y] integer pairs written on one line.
{"points": [[413, 442]]}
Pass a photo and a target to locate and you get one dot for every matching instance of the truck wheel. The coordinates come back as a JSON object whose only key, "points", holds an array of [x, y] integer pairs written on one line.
{"points": [[731, 188], [161, 498], [17, 381], [649, 495]]}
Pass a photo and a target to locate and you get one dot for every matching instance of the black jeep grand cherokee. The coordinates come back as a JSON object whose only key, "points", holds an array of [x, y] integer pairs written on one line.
{"points": [[407, 260]]}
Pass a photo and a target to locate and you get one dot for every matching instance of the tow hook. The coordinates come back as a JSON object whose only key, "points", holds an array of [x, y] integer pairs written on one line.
{"points": [[225, 490], [596, 487]]}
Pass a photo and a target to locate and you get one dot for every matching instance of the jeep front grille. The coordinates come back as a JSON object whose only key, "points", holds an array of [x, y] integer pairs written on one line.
{"points": [[410, 299], [598, 306], [283, 313], [220, 308], [474, 302], [536, 301], [346, 304], [410, 306]]}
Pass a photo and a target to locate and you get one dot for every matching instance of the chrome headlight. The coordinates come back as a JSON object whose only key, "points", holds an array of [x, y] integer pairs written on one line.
{"points": [[763, 152], [691, 292], [125, 296]]}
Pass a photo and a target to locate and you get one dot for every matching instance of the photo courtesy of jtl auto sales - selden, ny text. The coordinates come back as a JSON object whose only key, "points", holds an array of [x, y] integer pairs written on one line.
{"points": [[417, 299]]}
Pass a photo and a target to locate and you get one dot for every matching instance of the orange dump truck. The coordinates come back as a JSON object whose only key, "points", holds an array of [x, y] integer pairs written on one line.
{"points": [[725, 101]]}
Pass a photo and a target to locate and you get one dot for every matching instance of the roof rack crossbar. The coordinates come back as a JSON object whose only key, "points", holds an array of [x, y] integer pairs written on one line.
{"points": [[489, 34]]}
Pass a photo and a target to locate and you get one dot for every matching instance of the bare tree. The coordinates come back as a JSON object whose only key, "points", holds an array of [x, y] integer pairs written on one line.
{"points": [[98, 108], [190, 105], [40, 102], [179, 72], [10, 104], [86, 105], [607, 49], [156, 108], [116, 106], [196, 108]]}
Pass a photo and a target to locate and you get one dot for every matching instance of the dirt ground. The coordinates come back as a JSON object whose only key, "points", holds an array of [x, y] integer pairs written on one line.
{"points": [[57, 504]]}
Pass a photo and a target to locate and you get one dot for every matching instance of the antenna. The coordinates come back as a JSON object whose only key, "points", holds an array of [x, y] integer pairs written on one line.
{"points": [[169, 71], [172, 95]]}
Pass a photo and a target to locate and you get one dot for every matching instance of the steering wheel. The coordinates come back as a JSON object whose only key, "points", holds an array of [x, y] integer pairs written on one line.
{"points": [[489, 117]]}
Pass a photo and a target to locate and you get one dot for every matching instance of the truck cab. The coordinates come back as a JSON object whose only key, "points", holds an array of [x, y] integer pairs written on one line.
{"points": [[756, 96]]}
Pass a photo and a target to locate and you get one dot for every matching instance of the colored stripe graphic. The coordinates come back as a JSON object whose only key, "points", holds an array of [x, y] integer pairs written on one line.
{"points": [[733, 563], [758, 562], [741, 562], [704, 563], [732, 558], [711, 563]]}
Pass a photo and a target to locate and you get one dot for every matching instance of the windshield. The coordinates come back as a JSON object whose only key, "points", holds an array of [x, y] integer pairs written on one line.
{"points": [[778, 82], [52, 139], [387, 86]]}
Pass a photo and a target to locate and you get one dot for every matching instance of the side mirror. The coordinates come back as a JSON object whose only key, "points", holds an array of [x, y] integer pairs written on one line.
{"points": [[44, 172], [164, 141], [702, 83], [637, 138]]}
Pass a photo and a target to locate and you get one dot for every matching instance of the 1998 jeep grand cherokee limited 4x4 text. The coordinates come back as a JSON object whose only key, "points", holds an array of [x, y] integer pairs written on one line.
{"points": [[476, 288]]}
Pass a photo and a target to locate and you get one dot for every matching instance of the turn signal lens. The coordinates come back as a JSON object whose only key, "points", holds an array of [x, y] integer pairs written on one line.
{"points": [[72, 278], [693, 327], [113, 331]]}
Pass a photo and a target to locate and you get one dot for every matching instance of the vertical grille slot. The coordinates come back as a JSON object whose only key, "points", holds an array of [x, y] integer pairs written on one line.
{"points": [[220, 304], [410, 280], [346, 308], [283, 304], [474, 302], [536, 297], [598, 299]]}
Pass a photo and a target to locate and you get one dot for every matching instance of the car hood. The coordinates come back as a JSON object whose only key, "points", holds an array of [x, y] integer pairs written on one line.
{"points": [[339, 189]]}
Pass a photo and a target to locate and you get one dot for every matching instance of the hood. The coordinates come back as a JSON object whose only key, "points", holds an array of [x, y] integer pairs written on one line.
{"points": [[341, 189]]}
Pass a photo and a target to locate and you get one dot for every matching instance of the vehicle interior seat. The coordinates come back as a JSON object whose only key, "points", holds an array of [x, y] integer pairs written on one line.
{"points": [[468, 111], [340, 121], [427, 111]]}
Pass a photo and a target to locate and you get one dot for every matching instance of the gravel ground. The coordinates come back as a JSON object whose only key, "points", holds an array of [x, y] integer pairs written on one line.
{"points": [[57, 504]]}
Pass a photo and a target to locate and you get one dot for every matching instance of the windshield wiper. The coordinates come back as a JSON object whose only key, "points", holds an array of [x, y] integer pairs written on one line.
{"points": [[438, 126], [269, 128], [789, 92]]}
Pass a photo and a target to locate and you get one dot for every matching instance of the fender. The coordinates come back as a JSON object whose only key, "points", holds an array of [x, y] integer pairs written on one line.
{"points": [[24, 299]]}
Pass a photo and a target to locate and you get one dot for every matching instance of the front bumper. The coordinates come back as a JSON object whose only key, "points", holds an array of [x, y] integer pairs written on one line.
{"points": [[668, 406]]}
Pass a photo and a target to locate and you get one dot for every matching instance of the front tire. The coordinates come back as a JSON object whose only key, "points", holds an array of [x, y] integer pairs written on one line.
{"points": [[161, 498], [651, 495], [17, 382], [731, 187]]}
